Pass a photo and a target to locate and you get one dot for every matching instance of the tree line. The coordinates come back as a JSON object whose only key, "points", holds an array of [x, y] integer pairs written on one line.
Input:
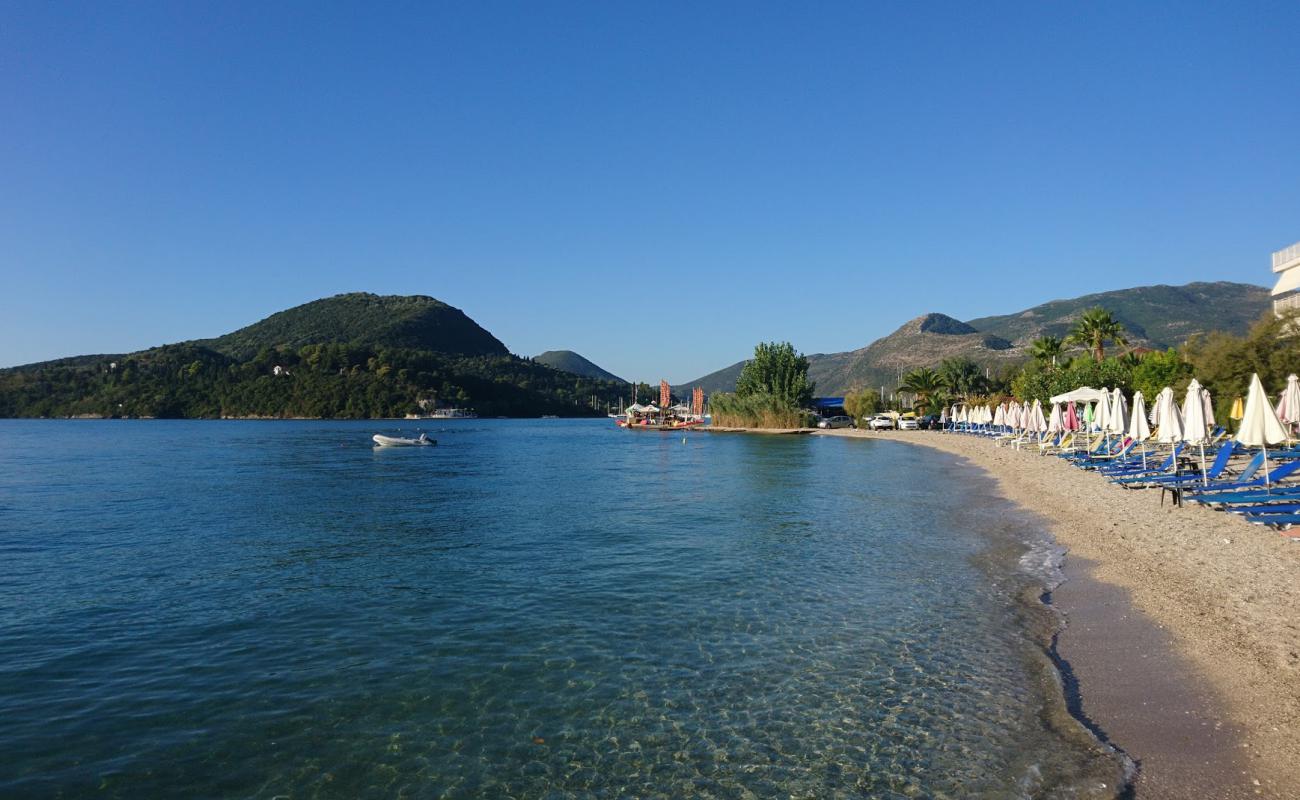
{"points": [[319, 380], [1222, 362]]}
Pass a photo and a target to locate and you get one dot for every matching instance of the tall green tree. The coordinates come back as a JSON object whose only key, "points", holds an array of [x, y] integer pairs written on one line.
{"points": [[1047, 349], [862, 403], [923, 383], [962, 377], [777, 370], [1094, 328]]}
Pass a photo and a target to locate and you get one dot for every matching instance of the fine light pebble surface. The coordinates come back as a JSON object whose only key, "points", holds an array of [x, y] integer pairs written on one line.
{"points": [[1183, 624]]}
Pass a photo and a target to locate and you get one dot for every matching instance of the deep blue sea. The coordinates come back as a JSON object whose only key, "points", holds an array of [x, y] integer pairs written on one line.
{"points": [[530, 609]]}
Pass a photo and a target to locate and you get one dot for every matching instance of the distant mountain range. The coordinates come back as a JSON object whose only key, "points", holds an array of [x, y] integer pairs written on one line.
{"points": [[1156, 317], [569, 361], [365, 355]]}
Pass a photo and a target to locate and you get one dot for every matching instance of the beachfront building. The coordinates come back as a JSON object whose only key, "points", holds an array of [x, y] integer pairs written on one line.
{"points": [[1286, 294]]}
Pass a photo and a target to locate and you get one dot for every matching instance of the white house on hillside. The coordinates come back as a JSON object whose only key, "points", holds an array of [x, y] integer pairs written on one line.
{"points": [[1286, 294]]}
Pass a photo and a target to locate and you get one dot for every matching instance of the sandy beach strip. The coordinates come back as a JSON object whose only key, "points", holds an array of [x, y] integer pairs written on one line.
{"points": [[1182, 638]]}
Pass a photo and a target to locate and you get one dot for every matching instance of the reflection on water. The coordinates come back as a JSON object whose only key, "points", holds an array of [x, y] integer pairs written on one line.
{"points": [[529, 609]]}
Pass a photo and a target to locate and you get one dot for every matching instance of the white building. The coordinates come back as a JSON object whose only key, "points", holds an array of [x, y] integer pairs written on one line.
{"points": [[1286, 294]]}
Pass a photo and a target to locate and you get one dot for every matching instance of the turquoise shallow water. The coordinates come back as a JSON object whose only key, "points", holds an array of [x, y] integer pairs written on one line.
{"points": [[538, 609]]}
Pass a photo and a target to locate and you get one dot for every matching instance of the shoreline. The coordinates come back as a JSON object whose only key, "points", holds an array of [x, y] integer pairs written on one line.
{"points": [[1181, 640]]}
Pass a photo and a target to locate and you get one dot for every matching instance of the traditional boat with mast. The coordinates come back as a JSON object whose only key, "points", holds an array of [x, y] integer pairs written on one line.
{"points": [[665, 416]]}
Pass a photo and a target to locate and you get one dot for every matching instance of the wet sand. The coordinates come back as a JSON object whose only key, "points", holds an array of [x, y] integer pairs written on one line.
{"points": [[1182, 637]]}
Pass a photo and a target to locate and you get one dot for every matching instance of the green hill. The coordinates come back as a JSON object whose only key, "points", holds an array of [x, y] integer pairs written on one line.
{"points": [[724, 380], [1156, 316], [413, 322], [351, 356], [569, 361]]}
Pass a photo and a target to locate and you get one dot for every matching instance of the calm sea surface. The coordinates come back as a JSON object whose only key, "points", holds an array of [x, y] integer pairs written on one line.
{"points": [[530, 609]]}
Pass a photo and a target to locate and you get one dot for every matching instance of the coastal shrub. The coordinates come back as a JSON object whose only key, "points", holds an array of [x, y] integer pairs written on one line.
{"points": [[1223, 363], [862, 404], [1039, 381], [1155, 371], [758, 410]]}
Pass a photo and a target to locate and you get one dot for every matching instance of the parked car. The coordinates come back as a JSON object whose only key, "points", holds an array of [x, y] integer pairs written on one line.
{"points": [[930, 422], [907, 423], [881, 422], [836, 422]]}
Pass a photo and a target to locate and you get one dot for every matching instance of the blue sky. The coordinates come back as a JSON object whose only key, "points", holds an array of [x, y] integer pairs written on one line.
{"points": [[657, 186]]}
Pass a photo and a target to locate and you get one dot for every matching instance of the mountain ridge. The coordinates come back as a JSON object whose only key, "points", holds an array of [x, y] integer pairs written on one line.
{"points": [[417, 322], [575, 363], [1157, 317]]}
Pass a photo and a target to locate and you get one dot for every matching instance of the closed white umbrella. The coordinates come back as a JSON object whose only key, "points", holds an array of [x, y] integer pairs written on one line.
{"points": [[1039, 421], [1259, 423], [1288, 405], [1137, 426], [1195, 429], [1168, 420], [1000, 416], [1118, 411], [1101, 415], [1056, 422]]}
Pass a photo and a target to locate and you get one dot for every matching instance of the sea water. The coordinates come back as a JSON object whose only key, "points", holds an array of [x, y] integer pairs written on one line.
{"points": [[530, 609]]}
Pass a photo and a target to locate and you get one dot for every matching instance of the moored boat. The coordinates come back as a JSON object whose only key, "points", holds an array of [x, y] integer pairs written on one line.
{"points": [[399, 441]]}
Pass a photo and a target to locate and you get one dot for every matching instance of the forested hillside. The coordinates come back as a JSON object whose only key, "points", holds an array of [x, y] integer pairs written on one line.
{"points": [[350, 356]]}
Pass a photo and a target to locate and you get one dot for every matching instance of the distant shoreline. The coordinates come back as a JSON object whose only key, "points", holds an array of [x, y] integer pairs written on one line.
{"points": [[1183, 625]]}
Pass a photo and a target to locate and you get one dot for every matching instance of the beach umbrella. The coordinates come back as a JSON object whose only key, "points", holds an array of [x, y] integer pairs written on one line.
{"points": [[1026, 416], [1137, 426], [1071, 417], [1238, 409], [1000, 416], [1013, 416], [1195, 428], [1288, 405], [1118, 412], [943, 416], [1040, 421], [1259, 423], [1166, 417], [1102, 419], [1056, 423]]}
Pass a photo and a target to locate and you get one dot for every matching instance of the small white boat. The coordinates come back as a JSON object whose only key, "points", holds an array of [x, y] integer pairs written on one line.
{"points": [[398, 441]]}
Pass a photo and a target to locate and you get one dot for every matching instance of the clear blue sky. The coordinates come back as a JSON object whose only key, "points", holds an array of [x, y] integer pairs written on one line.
{"points": [[655, 186]]}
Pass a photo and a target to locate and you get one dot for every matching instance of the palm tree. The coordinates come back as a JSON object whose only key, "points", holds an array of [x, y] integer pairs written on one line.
{"points": [[961, 376], [1094, 328], [1130, 359], [923, 383], [1047, 349]]}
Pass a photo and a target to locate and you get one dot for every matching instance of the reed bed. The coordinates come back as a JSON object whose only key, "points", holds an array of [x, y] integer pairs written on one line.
{"points": [[756, 411]]}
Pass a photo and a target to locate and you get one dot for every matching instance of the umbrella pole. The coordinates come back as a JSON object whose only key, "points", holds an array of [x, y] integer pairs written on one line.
{"points": [[1205, 480], [1267, 486]]}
